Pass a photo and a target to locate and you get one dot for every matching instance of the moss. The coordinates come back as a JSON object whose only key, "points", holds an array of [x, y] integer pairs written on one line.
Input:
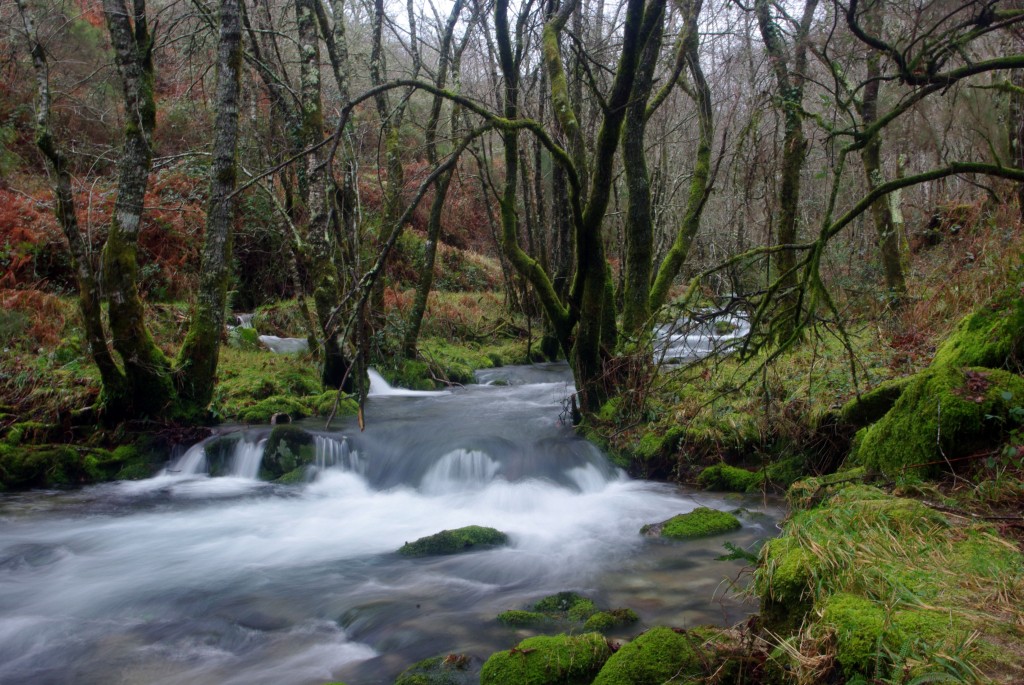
{"points": [[783, 581], [871, 638], [264, 410], [523, 619], [992, 336], [449, 669], [45, 466], [859, 626], [661, 655], [32, 432], [609, 410], [454, 541], [729, 479], [289, 450], [874, 404], [606, 621], [655, 443], [699, 523], [548, 660], [560, 603], [807, 492], [943, 414], [323, 404]]}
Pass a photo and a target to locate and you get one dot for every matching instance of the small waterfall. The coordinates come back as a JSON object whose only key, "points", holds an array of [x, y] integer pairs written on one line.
{"points": [[191, 463], [284, 345], [381, 388], [244, 320], [245, 462], [331, 453], [459, 470]]}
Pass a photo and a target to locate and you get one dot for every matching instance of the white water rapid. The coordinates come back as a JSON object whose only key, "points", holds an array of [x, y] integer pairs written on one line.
{"points": [[188, 579]]}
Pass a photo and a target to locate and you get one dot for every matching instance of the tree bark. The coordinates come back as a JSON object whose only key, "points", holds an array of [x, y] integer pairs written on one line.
{"points": [[148, 390], [790, 92], [197, 361]]}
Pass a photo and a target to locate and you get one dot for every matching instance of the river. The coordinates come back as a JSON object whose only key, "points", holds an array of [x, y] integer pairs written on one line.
{"points": [[184, 579]]}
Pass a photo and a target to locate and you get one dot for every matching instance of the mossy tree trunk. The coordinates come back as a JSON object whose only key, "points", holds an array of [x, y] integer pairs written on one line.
{"points": [[871, 158], [147, 390], [446, 61], [790, 74], [1015, 123], [197, 360], [700, 179]]}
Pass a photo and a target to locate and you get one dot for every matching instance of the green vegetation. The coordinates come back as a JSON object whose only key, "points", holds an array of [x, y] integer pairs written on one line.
{"points": [[661, 655], [699, 523], [466, 539], [548, 660], [894, 587]]}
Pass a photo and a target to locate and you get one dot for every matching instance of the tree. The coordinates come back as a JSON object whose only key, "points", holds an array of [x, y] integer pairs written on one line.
{"points": [[146, 384]]}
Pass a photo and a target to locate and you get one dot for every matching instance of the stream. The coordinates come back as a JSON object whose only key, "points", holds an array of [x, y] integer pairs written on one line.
{"points": [[184, 579]]}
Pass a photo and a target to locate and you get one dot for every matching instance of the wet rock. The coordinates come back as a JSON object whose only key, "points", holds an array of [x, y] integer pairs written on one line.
{"points": [[699, 523], [454, 541]]}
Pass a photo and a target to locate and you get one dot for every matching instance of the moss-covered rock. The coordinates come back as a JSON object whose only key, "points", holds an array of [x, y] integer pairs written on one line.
{"points": [[699, 523], [661, 655], [874, 404], [568, 604], [289, 450], [992, 336], [607, 621], [518, 618], [454, 541], [31, 466], [944, 413], [449, 669], [548, 660], [727, 478]]}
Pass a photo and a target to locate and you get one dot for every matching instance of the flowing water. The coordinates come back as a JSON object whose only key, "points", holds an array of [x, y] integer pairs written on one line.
{"points": [[192, 580]]}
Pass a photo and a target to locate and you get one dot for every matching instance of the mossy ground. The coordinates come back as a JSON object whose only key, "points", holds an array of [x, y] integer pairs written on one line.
{"points": [[884, 583], [744, 413]]}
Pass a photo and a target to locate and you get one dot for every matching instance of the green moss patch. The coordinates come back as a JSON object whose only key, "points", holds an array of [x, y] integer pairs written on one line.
{"points": [[873, 405], [727, 478], [607, 621], [661, 655], [699, 523], [548, 660], [944, 413], [455, 541], [992, 336], [517, 618]]}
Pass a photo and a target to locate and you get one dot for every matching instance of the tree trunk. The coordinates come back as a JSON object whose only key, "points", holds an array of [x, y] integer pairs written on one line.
{"points": [[790, 92], [701, 177], [871, 158], [112, 380], [197, 361], [148, 390]]}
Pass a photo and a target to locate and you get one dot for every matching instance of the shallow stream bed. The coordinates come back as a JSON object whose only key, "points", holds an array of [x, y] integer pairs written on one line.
{"points": [[191, 580]]}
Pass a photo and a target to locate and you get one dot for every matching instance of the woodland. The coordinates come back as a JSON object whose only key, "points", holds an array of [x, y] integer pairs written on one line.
{"points": [[831, 189]]}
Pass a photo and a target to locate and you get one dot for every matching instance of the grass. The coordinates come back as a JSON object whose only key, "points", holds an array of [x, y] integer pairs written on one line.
{"points": [[887, 585]]}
